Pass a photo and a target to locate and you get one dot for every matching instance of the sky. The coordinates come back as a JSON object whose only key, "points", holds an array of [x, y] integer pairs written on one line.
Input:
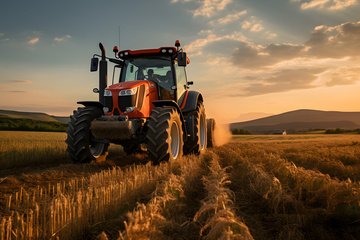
{"points": [[249, 58]]}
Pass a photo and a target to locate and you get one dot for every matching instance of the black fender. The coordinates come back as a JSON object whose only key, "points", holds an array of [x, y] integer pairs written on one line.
{"points": [[192, 100], [172, 103], [92, 104]]}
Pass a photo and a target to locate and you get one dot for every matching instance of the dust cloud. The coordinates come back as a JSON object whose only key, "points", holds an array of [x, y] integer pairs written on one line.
{"points": [[222, 134]]}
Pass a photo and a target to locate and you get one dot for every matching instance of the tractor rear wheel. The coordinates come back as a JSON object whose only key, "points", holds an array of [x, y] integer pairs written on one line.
{"points": [[210, 132], [198, 143], [165, 136], [82, 146]]}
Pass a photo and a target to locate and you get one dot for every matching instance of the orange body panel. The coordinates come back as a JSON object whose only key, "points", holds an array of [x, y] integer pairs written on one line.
{"points": [[150, 95]]}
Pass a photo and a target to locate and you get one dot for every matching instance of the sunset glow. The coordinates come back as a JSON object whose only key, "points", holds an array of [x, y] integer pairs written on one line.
{"points": [[248, 58]]}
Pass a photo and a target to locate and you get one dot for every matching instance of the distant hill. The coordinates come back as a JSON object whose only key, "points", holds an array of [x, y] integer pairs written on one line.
{"points": [[61, 119], [32, 115], [301, 120]]}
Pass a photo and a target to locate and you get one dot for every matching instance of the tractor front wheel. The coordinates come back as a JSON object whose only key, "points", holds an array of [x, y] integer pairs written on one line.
{"points": [[82, 146], [165, 135], [198, 142]]}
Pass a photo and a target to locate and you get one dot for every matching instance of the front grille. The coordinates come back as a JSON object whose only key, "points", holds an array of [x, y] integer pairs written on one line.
{"points": [[108, 102], [116, 111], [126, 101], [141, 97]]}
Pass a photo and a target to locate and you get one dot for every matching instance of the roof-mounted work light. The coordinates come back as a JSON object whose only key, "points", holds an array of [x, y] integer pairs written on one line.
{"points": [[177, 44]]}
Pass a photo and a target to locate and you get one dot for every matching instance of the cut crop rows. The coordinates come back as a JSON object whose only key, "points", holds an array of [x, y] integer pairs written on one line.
{"points": [[284, 201], [253, 189]]}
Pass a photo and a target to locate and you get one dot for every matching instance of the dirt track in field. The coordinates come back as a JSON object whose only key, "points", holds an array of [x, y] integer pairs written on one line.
{"points": [[12, 180]]}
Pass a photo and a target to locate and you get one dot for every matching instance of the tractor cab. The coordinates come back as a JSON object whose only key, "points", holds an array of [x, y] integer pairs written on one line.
{"points": [[160, 66], [161, 70], [146, 76]]}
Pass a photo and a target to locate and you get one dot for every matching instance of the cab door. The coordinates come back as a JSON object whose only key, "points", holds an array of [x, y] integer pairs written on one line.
{"points": [[181, 83]]}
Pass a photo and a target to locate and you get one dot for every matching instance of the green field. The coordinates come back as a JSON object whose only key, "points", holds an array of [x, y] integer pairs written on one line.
{"points": [[23, 124]]}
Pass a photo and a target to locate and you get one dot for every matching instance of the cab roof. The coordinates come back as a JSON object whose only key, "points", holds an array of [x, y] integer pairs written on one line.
{"points": [[159, 51]]}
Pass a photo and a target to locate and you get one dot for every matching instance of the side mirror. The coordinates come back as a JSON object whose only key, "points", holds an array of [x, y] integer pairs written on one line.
{"points": [[94, 64], [188, 84], [182, 59]]}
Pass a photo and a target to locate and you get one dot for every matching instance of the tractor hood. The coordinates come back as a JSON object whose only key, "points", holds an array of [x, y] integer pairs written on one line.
{"points": [[133, 98], [116, 88]]}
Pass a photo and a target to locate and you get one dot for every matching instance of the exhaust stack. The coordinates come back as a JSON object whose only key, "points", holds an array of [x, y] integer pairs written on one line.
{"points": [[102, 74]]}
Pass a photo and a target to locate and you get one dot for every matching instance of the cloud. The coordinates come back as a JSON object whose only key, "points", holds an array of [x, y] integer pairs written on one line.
{"points": [[248, 55], [282, 81], [207, 8], [2, 34], [330, 57], [341, 4], [253, 25], [231, 17], [62, 38], [335, 42], [33, 41], [175, 1], [314, 4], [327, 4], [325, 42], [17, 91], [271, 35], [21, 81], [195, 48], [342, 76]]}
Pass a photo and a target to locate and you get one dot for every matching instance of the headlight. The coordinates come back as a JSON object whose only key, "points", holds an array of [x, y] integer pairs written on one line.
{"points": [[128, 92], [107, 93], [129, 109], [122, 54], [106, 109]]}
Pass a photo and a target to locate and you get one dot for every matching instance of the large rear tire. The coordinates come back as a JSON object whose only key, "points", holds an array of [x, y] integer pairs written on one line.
{"points": [[165, 136], [198, 143], [210, 132], [82, 146]]}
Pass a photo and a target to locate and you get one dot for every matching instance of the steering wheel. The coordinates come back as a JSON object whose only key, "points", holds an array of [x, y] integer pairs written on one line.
{"points": [[154, 79]]}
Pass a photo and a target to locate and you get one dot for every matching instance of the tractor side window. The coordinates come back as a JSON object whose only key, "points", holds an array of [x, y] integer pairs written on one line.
{"points": [[181, 82], [130, 73]]}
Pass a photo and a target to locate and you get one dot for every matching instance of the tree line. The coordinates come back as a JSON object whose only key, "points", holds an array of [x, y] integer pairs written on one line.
{"points": [[340, 130], [240, 132]]}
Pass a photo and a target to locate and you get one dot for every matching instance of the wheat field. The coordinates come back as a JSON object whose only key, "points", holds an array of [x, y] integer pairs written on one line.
{"points": [[20, 149], [254, 187]]}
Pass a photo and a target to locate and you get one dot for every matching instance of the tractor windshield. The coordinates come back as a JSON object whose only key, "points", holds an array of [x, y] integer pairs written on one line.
{"points": [[151, 68], [147, 68]]}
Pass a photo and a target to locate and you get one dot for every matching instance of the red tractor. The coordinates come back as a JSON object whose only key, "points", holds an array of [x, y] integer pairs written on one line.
{"points": [[149, 107]]}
